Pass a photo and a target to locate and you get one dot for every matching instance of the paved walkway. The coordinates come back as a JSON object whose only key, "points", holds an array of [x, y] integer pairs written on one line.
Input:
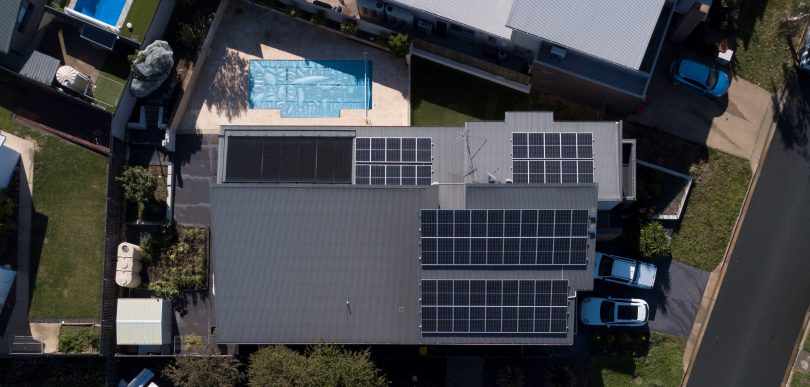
{"points": [[18, 322], [249, 32], [195, 163], [737, 126]]}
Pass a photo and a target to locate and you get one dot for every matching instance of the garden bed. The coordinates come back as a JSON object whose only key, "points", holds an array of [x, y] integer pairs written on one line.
{"points": [[661, 192], [78, 339], [176, 260]]}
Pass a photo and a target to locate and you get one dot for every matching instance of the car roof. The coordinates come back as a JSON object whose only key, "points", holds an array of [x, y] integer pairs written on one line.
{"points": [[694, 70]]}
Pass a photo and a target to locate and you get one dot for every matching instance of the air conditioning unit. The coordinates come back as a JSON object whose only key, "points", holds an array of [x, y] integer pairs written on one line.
{"points": [[558, 53]]}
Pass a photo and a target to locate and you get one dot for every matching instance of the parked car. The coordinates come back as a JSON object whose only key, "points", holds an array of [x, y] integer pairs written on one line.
{"points": [[624, 271], [708, 80], [626, 312]]}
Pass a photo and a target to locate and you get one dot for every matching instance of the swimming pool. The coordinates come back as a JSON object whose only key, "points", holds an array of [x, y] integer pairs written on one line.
{"points": [[105, 11], [310, 88]]}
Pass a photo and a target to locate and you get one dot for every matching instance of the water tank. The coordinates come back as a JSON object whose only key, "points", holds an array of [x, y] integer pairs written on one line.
{"points": [[128, 266]]}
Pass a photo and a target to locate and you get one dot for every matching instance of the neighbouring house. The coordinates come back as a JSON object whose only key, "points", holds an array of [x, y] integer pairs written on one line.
{"points": [[9, 159], [481, 234], [601, 53], [143, 326]]}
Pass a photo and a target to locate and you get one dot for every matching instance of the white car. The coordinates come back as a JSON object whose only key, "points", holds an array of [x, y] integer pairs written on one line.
{"points": [[626, 312], [624, 271]]}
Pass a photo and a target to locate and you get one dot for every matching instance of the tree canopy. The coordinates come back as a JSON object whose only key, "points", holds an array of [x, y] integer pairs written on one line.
{"points": [[205, 370], [321, 365]]}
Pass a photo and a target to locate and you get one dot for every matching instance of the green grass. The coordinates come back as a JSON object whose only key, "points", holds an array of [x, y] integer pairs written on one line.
{"points": [[140, 15], [111, 81], [718, 191], [714, 202], [445, 97], [807, 344], [800, 380], [662, 365], [68, 222], [763, 59]]}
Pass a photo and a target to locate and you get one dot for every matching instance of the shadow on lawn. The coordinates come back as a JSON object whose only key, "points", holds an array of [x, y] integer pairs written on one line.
{"points": [[39, 226]]}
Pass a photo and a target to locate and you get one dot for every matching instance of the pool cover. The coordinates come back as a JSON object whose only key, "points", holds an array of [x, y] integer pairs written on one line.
{"points": [[310, 88]]}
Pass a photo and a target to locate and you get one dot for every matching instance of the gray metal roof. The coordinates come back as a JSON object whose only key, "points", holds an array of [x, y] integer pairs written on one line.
{"points": [[287, 258], [616, 31], [40, 67], [469, 154], [486, 15], [8, 20]]}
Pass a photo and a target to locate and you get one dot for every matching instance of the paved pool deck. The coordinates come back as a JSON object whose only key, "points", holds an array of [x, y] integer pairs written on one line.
{"points": [[251, 32]]}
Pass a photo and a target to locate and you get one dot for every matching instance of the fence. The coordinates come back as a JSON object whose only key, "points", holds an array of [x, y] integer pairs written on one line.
{"points": [[26, 345]]}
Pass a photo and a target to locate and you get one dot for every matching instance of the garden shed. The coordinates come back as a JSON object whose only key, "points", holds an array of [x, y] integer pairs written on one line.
{"points": [[143, 322]]}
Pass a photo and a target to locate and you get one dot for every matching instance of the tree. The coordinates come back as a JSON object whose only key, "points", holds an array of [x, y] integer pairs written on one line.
{"points": [[349, 27], [139, 186], [398, 43], [653, 241], [208, 369], [322, 365], [509, 376]]}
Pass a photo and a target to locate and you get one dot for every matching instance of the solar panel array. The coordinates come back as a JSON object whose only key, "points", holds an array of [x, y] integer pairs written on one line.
{"points": [[393, 161], [494, 306], [504, 237], [548, 158]]}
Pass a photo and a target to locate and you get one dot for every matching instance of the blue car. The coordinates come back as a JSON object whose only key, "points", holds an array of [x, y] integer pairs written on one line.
{"points": [[704, 79]]}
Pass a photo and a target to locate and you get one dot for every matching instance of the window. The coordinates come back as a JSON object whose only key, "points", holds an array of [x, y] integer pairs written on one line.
{"points": [[26, 8], [462, 30]]}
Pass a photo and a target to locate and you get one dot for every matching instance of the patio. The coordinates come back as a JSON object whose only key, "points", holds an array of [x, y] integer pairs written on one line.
{"points": [[221, 93]]}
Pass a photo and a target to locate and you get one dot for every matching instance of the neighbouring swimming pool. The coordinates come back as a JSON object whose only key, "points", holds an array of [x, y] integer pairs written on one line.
{"points": [[107, 11], [310, 88]]}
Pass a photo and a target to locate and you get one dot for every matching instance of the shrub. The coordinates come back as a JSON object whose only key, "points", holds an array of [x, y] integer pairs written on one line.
{"points": [[653, 241], [625, 338], [323, 365], [349, 27], [77, 339], [192, 343], [642, 338], [610, 338], [139, 186], [293, 11], [205, 370], [182, 265], [509, 376], [318, 17], [398, 43]]}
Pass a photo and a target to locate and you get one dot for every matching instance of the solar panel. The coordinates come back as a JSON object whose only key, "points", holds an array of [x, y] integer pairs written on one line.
{"points": [[397, 161], [504, 237], [552, 158], [288, 159], [494, 306]]}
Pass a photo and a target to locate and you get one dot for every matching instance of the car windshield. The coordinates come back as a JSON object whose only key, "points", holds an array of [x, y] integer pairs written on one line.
{"points": [[606, 311], [712, 80], [606, 266]]}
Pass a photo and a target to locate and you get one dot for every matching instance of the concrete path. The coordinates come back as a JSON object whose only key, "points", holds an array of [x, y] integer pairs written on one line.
{"points": [[18, 322], [737, 125], [48, 333]]}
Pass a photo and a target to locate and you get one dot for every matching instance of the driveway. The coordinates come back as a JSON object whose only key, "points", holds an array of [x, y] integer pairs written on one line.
{"points": [[195, 162], [674, 300], [736, 125]]}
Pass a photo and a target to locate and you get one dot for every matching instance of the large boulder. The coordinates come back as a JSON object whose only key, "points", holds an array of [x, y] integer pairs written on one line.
{"points": [[151, 68]]}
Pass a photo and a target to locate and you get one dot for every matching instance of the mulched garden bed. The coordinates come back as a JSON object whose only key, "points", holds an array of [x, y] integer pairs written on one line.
{"points": [[661, 193]]}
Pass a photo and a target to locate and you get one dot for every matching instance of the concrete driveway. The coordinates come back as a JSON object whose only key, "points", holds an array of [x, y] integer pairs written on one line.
{"points": [[736, 125], [673, 301]]}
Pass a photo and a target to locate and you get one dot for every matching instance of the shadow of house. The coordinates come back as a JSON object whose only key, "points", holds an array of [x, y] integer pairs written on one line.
{"points": [[228, 92]]}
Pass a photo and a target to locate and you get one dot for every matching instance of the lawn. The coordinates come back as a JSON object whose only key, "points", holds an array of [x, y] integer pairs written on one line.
{"points": [[445, 97], [763, 53], [714, 202], [662, 365], [67, 238], [140, 15], [800, 380]]}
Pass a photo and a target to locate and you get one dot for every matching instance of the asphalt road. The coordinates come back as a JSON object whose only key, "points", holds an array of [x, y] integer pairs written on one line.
{"points": [[766, 291]]}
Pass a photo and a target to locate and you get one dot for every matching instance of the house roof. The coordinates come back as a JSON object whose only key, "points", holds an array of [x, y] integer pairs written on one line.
{"points": [[7, 276], [8, 20], [468, 154], [143, 321], [616, 31], [288, 258], [486, 15]]}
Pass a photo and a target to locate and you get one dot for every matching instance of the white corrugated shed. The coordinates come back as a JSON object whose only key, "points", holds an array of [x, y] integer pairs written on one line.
{"points": [[486, 15], [616, 31], [143, 321], [6, 281]]}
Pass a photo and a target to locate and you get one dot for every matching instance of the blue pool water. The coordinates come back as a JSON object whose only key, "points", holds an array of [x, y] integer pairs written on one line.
{"points": [[308, 88], [107, 11]]}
